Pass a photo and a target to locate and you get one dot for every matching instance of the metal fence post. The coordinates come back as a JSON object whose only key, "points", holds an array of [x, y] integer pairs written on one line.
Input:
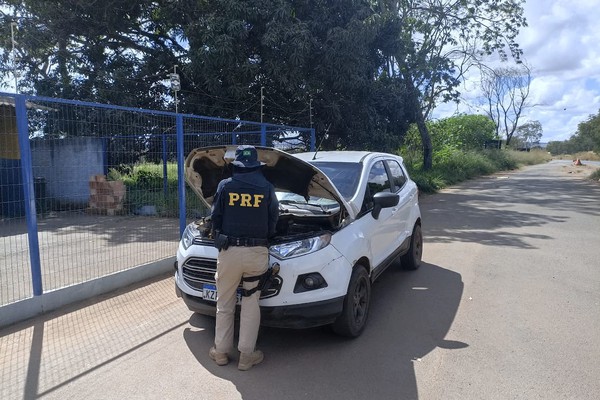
{"points": [[29, 194], [165, 172], [105, 155], [263, 135], [180, 174]]}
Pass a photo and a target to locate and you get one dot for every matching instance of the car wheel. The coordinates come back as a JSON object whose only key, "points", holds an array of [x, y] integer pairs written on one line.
{"points": [[354, 315], [412, 259]]}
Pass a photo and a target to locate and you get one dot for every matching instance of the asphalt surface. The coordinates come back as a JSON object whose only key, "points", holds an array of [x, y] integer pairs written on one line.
{"points": [[505, 306]]}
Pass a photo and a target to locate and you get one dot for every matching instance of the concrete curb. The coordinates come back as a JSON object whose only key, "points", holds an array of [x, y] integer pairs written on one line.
{"points": [[34, 306]]}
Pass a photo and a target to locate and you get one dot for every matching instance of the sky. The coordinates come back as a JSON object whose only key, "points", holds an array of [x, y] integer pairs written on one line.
{"points": [[562, 46]]}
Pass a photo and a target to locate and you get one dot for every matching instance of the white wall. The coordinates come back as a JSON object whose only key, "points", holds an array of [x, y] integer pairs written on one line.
{"points": [[67, 165]]}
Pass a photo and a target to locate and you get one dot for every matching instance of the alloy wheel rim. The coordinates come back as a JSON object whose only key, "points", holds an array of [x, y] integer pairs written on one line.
{"points": [[360, 302]]}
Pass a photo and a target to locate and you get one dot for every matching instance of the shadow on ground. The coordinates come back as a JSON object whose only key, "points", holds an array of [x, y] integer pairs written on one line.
{"points": [[411, 313], [42, 356], [114, 229], [485, 213]]}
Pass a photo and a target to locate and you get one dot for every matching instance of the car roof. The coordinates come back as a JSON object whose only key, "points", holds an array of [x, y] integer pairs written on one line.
{"points": [[341, 156]]}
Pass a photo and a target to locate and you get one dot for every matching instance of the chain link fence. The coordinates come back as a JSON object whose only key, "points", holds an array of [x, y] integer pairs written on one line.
{"points": [[88, 190]]}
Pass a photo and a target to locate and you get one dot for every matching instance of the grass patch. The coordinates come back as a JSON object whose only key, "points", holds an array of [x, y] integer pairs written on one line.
{"points": [[146, 185], [456, 166], [595, 175], [529, 157], [587, 156], [583, 156]]}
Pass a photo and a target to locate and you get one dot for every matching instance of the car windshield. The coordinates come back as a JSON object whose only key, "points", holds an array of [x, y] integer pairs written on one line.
{"points": [[344, 175]]}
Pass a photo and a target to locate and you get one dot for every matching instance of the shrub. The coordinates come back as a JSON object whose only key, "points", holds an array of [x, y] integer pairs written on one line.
{"points": [[452, 166], [529, 157], [146, 186]]}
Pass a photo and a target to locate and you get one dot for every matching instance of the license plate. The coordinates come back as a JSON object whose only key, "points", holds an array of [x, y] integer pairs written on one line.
{"points": [[209, 292]]}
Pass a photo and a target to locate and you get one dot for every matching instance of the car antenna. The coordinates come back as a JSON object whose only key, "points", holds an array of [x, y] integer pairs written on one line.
{"points": [[325, 136]]}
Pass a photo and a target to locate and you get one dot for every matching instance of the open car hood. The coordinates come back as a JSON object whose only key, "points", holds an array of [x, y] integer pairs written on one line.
{"points": [[205, 167]]}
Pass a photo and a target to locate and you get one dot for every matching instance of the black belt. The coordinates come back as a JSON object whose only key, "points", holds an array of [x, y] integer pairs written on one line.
{"points": [[247, 242]]}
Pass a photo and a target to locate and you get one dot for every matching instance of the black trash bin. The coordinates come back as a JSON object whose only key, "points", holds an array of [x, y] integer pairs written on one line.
{"points": [[39, 186]]}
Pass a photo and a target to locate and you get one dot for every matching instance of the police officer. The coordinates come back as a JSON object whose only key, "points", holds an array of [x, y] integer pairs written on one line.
{"points": [[244, 215]]}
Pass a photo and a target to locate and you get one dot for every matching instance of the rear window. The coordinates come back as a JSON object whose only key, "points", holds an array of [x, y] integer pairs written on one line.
{"points": [[344, 175], [398, 176]]}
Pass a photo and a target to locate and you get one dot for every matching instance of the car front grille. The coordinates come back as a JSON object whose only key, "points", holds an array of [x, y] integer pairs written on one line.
{"points": [[197, 271]]}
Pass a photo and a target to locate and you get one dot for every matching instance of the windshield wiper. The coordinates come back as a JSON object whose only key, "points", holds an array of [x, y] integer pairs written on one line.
{"points": [[301, 203]]}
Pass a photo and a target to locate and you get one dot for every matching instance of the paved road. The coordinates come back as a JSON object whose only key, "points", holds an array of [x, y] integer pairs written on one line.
{"points": [[506, 306]]}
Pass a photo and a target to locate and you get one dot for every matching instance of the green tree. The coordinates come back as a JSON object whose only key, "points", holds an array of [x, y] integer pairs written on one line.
{"points": [[314, 62], [587, 138], [438, 41], [90, 50], [299, 63], [588, 132], [360, 70], [529, 134], [461, 132]]}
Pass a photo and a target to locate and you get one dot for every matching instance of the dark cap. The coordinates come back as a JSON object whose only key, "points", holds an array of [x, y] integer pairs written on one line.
{"points": [[246, 157]]}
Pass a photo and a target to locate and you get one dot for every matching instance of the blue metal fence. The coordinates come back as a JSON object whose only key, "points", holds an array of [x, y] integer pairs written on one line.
{"points": [[91, 189]]}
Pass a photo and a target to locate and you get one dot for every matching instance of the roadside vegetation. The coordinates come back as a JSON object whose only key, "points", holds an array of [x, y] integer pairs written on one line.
{"points": [[583, 144], [464, 147], [145, 183], [459, 152], [582, 155], [146, 187], [460, 166]]}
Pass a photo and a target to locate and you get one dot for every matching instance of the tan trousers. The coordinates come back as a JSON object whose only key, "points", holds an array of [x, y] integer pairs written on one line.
{"points": [[233, 264]]}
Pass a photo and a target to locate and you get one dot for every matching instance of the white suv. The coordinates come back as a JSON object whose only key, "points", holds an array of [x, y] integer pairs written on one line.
{"points": [[344, 217]]}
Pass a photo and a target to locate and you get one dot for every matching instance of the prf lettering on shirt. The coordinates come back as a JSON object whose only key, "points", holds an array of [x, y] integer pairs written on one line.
{"points": [[245, 199]]}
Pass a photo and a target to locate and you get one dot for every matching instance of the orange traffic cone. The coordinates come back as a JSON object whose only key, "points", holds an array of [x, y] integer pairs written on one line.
{"points": [[577, 162]]}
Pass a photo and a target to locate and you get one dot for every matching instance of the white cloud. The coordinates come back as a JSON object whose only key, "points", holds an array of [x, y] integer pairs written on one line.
{"points": [[561, 45]]}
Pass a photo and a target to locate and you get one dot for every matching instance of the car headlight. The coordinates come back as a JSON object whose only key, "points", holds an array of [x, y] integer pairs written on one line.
{"points": [[300, 247], [191, 232]]}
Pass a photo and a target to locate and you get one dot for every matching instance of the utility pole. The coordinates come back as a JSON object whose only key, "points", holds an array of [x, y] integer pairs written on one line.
{"points": [[310, 111], [261, 103], [175, 86], [14, 57]]}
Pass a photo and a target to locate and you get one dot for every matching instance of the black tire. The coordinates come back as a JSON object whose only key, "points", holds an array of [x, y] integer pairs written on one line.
{"points": [[412, 259], [353, 319]]}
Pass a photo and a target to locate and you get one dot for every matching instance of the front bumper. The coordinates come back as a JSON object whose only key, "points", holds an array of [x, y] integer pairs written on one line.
{"points": [[284, 307], [302, 316], [297, 316]]}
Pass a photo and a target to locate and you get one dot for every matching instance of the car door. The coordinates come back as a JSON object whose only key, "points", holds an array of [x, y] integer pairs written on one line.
{"points": [[406, 193], [381, 232]]}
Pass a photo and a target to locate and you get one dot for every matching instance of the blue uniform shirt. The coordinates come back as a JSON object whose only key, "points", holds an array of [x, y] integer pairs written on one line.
{"points": [[245, 206]]}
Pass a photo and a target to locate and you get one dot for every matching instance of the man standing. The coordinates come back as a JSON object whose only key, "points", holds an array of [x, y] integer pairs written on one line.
{"points": [[244, 215]]}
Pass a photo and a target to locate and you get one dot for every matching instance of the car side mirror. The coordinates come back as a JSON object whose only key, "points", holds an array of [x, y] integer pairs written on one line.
{"points": [[383, 200]]}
